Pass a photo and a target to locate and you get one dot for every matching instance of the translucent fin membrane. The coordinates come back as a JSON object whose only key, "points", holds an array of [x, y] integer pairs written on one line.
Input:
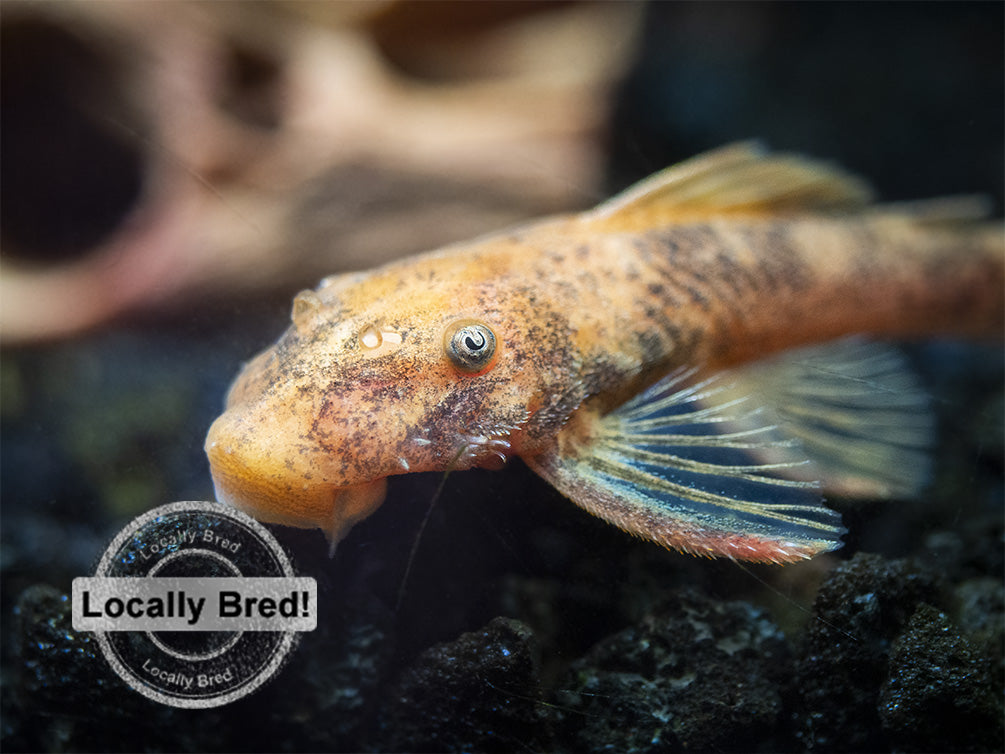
{"points": [[858, 412], [734, 464]]}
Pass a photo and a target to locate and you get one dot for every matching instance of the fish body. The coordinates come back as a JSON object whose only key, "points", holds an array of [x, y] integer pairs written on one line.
{"points": [[655, 358]]}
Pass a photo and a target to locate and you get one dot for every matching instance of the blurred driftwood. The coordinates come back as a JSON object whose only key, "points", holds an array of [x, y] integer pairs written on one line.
{"points": [[278, 143]]}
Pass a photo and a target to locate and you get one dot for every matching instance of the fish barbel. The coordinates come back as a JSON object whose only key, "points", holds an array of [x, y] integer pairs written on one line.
{"points": [[676, 361]]}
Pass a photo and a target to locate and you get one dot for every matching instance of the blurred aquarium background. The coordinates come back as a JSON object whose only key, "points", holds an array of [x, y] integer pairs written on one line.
{"points": [[172, 173]]}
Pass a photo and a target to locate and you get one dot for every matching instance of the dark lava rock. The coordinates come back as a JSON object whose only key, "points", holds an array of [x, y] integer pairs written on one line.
{"points": [[701, 675], [939, 695], [981, 617], [326, 701], [480, 692], [54, 656], [63, 696], [859, 611], [70, 700]]}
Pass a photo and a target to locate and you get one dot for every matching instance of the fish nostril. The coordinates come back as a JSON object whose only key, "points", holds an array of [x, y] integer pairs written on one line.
{"points": [[305, 305], [371, 338], [377, 341]]}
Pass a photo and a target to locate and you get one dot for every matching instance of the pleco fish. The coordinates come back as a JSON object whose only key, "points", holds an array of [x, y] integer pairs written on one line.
{"points": [[675, 361]]}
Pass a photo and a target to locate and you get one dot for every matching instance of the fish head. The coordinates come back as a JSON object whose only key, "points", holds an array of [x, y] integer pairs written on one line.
{"points": [[381, 374]]}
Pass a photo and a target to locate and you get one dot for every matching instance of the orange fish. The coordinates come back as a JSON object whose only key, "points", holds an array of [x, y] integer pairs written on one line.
{"points": [[674, 361]]}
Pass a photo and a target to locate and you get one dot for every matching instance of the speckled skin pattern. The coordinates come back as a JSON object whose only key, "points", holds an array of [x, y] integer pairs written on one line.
{"points": [[586, 312]]}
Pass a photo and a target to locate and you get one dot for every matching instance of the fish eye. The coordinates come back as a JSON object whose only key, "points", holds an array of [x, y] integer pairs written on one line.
{"points": [[470, 345]]}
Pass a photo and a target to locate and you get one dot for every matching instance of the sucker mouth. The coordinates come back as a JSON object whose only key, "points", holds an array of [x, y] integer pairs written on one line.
{"points": [[334, 510], [272, 493]]}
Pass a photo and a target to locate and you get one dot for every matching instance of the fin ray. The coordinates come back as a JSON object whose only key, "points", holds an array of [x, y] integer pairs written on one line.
{"points": [[689, 464], [857, 411], [742, 471], [629, 474]]}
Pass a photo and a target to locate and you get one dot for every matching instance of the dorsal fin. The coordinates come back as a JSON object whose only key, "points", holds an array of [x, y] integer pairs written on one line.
{"points": [[963, 211], [740, 177]]}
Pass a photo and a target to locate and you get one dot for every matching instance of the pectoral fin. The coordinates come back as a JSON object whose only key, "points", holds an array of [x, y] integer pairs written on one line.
{"points": [[857, 411], [714, 468]]}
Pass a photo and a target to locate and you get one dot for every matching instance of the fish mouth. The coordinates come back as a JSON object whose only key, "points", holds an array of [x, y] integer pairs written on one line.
{"points": [[271, 492]]}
